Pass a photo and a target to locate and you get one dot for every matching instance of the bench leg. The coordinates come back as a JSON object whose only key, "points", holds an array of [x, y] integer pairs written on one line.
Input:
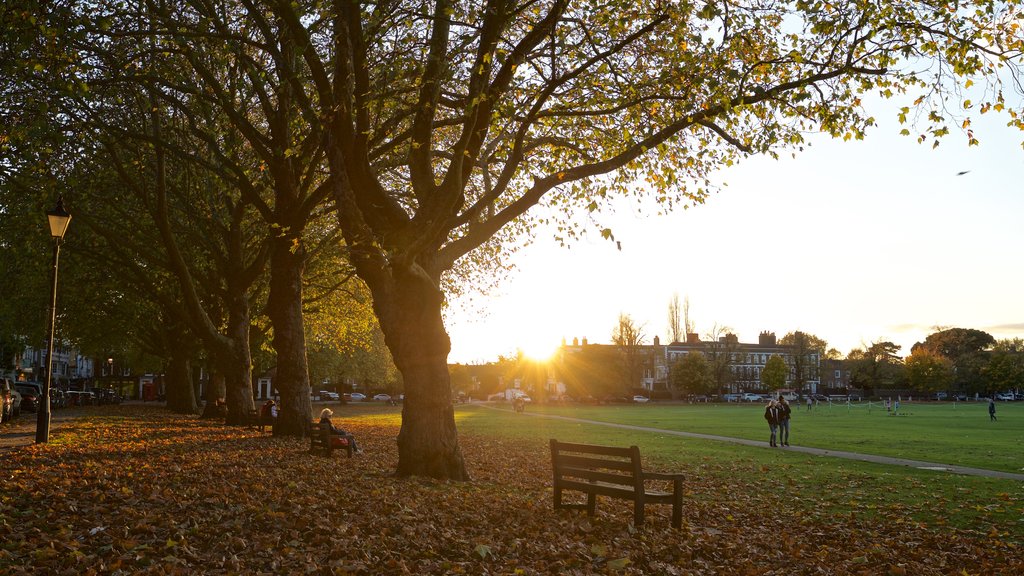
{"points": [[677, 503], [558, 498], [638, 513], [591, 503]]}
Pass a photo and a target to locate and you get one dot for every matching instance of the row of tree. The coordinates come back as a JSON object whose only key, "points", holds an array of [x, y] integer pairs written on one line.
{"points": [[957, 360], [208, 145]]}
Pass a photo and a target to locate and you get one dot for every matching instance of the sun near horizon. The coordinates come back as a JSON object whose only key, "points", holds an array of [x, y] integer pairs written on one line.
{"points": [[539, 349]]}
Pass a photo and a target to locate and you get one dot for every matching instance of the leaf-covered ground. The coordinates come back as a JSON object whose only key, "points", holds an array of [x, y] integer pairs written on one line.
{"points": [[133, 490]]}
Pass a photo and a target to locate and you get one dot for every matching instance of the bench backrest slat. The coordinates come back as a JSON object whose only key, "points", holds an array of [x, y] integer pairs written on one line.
{"points": [[563, 460], [598, 476], [593, 449], [618, 466]]}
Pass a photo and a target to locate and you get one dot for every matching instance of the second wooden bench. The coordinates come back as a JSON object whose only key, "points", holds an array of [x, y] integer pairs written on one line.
{"points": [[320, 440], [614, 472]]}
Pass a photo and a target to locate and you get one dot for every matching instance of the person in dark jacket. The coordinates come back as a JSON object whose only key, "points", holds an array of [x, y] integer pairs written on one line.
{"points": [[991, 410], [771, 414], [325, 421], [784, 411]]}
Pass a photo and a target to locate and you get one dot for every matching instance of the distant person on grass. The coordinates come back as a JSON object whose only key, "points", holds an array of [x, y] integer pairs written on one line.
{"points": [[325, 419], [991, 410], [771, 414], [784, 411], [809, 403]]}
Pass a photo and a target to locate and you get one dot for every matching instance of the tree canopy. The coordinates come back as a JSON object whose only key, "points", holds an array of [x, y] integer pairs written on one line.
{"points": [[774, 373]]}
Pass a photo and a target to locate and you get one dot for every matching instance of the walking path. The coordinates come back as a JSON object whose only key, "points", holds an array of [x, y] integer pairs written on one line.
{"points": [[22, 431], [952, 468]]}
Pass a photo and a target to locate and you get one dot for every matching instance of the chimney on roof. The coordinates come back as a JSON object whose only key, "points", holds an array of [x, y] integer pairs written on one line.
{"points": [[692, 338], [766, 338]]}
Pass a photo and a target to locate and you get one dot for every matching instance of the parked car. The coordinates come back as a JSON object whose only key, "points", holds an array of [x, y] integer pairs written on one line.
{"points": [[382, 397], [1005, 396], [641, 398], [29, 397], [15, 401], [80, 398], [6, 400], [751, 397], [732, 397], [328, 395], [357, 397], [940, 396]]}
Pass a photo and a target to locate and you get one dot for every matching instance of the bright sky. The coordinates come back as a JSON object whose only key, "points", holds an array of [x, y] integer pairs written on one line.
{"points": [[853, 242]]}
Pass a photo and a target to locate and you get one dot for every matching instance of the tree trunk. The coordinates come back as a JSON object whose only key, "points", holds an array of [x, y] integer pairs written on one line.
{"points": [[181, 397], [284, 307], [236, 363], [410, 317], [214, 392]]}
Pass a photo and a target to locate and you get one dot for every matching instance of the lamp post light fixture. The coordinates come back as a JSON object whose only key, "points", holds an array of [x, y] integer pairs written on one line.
{"points": [[59, 219]]}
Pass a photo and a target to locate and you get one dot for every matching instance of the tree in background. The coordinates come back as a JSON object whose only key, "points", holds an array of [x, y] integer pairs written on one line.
{"points": [[691, 374], [1005, 367], [594, 372], [967, 349], [928, 371], [808, 351], [629, 338], [774, 373], [676, 331], [720, 346], [877, 366]]}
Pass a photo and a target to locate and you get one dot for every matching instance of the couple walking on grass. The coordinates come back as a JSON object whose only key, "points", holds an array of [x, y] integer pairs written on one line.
{"points": [[777, 414]]}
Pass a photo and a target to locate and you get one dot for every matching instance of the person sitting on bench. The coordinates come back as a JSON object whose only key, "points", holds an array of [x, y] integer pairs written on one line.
{"points": [[325, 419], [268, 414]]}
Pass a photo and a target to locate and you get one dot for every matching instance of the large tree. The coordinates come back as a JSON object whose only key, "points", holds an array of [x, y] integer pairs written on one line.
{"points": [[774, 373], [1004, 369], [676, 332], [967, 349], [928, 371], [691, 374], [875, 366], [807, 351], [443, 123], [629, 338]]}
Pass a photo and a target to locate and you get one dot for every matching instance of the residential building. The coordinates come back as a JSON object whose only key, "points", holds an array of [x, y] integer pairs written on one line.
{"points": [[740, 364]]}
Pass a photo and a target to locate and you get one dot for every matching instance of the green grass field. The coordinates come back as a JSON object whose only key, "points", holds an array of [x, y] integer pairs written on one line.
{"points": [[934, 432], [943, 433]]}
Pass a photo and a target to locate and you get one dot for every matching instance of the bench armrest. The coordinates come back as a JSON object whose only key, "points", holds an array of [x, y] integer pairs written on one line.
{"points": [[662, 476]]}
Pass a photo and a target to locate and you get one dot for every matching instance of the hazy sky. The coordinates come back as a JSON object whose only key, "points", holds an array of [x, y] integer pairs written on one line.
{"points": [[851, 241]]}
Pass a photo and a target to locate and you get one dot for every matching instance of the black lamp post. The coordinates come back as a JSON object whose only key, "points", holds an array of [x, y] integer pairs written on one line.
{"points": [[59, 219]]}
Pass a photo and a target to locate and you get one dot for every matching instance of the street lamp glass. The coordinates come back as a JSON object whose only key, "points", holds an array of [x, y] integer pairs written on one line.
{"points": [[59, 219]]}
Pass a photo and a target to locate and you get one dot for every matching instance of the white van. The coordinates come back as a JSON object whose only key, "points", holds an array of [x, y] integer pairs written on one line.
{"points": [[789, 395]]}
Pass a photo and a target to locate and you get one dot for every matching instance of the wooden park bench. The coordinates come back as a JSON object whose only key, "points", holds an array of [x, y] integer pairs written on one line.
{"points": [[254, 421], [614, 472], [320, 440]]}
